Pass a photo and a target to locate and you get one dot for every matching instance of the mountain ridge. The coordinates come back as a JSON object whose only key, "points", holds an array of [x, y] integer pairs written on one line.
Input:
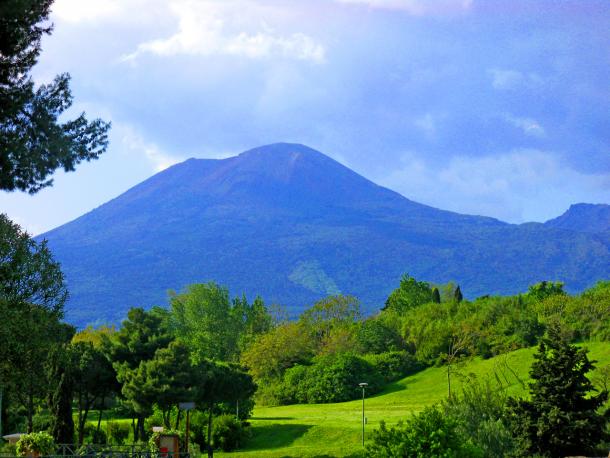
{"points": [[289, 223]]}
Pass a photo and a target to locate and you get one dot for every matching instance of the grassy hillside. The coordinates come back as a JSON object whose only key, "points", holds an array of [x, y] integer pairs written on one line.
{"points": [[335, 429]]}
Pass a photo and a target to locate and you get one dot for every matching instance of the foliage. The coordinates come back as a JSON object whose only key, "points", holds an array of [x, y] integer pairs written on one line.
{"points": [[33, 142], [60, 371], [94, 380], [545, 289], [409, 294], [118, 432], [428, 434], [479, 410], [374, 336], [561, 418], [33, 294], [281, 348], [36, 443], [393, 365], [332, 378], [204, 320], [229, 433], [329, 314]]}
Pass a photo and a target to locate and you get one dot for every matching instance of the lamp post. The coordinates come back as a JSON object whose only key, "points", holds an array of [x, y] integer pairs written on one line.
{"points": [[188, 406], [363, 385]]}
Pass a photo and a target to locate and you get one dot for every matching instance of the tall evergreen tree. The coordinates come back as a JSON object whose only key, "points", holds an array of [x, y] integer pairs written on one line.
{"points": [[561, 419], [458, 294], [436, 296], [33, 142]]}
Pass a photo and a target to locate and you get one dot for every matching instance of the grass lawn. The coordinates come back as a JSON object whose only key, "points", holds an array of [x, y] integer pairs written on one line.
{"points": [[307, 430]]}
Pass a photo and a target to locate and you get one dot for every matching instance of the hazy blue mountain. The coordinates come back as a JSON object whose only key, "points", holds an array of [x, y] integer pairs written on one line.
{"points": [[590, 218], [289, 223]]}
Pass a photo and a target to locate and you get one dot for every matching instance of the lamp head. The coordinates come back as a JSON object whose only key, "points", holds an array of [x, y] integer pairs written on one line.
{"points": [[363, 384]]}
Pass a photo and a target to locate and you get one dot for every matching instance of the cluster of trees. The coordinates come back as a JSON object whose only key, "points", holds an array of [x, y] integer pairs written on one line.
{"points": [[563, 416], [330, 348], [325, 353], [145, 369]]}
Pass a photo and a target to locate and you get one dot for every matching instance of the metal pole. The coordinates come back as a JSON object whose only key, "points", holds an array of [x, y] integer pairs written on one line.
{"points": [[238, 409], [1, 393], [188, 428], [363, 416]]}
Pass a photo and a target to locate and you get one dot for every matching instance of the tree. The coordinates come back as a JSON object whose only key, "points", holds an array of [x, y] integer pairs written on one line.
{"points": [[170, 375], [436, 296], [561, 419], [545, 289], [329, 314], [253, 320], [457, 295], [219, 382], [32, 296], [140, 336], [33, 142], [94, 379], [61, 372], [205, 320], [408, 295]]}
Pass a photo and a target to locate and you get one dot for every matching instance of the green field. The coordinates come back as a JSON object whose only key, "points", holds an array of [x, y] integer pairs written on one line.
{"points": [[335, 429]]}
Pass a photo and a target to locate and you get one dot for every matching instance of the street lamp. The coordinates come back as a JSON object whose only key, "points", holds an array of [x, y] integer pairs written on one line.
{"points": [[363, 385]]}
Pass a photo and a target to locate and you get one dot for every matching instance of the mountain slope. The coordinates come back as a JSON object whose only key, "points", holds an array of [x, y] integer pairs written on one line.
{"points": [[589, 218], [289, 223]]}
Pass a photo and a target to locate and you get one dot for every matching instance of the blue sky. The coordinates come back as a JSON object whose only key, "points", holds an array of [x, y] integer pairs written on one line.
{"points": [[485, 107]]}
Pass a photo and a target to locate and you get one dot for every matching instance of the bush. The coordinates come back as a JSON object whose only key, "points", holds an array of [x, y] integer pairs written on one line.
{"points": [[229, 433], [8, 449], [429, 434], [480, 410], [93, 436], [118, 432], [36, 444], [394, 365], [375, 337], [332, 378]]}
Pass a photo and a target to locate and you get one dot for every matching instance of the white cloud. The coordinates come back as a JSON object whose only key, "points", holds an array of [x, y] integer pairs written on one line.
{"points": [[529, 126], [211, 27], [416, 7], [134, 143], [518, 186]]}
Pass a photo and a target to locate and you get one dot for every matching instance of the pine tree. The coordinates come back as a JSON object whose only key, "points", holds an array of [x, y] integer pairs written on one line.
{"points": [[33, 140], [457, 295], [436, 296], [561, 419]]}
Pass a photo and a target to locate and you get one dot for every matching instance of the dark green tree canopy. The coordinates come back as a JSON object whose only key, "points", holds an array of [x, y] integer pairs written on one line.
{"points": [[561, 419], [409, 294], [33, 142]]}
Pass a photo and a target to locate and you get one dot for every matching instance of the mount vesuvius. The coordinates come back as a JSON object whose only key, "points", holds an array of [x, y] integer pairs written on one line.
{"points": [[290, 224]]}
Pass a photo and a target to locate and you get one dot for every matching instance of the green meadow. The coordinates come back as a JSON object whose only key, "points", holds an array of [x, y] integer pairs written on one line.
{"points": [[309, 430]]}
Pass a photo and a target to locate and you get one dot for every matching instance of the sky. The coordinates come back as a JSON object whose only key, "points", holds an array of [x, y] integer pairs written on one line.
{"points": [[483, 107]]}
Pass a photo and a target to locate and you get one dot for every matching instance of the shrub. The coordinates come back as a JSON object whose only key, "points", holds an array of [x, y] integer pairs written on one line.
{"points": [[229, 433], [93, 436], [480, 410], [118, 432], [332, 378], [427, 435], [36, 444], [375, 337], [394, 365]]}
